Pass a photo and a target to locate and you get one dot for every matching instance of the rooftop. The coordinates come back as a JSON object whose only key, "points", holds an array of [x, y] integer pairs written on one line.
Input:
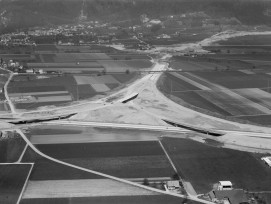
{"points": [[225, 183]]}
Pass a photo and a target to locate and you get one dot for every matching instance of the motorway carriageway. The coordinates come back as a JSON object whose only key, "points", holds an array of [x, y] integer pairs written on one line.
{"points": [[117, 125], [152, 127]]}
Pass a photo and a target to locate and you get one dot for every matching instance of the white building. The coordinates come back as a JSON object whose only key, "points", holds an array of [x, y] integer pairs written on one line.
{"points": [[224, 185]]}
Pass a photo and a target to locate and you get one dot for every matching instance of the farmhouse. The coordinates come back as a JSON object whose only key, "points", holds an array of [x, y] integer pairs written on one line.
{"points": [[173, 185], [267, 160]]}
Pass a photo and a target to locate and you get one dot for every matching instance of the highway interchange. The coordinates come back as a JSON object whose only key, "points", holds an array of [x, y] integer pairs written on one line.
{"points": [[152, 104]]}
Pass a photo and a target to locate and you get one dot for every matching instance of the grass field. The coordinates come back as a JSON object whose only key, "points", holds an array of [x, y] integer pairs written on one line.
{"points": [[236, 79], [82, 188], [72, 57], [182, 64], [233, 104], [11, 149], [71, 65], [204, 165], [174, 84], [138, 64], [121, 159], [147, 199], [195, 99], [45, 169], [257, 95], [12, 177], [257, 119], [46, 47]]}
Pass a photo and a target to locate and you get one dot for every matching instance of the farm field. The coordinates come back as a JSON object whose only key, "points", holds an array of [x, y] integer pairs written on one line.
{"points": [[183, 64], [221, 62], [41, 48], [46, 47], [64, 65], [31, 93], [204, 165], [240, 95], [242, 57], [233, 104], [175, 84], [4, 107], [143, 199], [17, 57], [122, 66], [128, 56], [122, 159], [45, 169], [257, 119], [13, 178], [11, 148], [196, 100], [236, 79], [81, 188], [72, 57], [109, 66]]}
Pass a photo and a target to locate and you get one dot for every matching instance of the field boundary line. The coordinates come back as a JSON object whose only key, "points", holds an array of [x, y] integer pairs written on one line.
{"points": [[168, 157], [23, 152], [108, 176], [175, 169], [25, 183]]}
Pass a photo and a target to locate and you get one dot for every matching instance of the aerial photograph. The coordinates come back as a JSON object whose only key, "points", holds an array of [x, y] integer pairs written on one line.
{"points": [[135, 102]]}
